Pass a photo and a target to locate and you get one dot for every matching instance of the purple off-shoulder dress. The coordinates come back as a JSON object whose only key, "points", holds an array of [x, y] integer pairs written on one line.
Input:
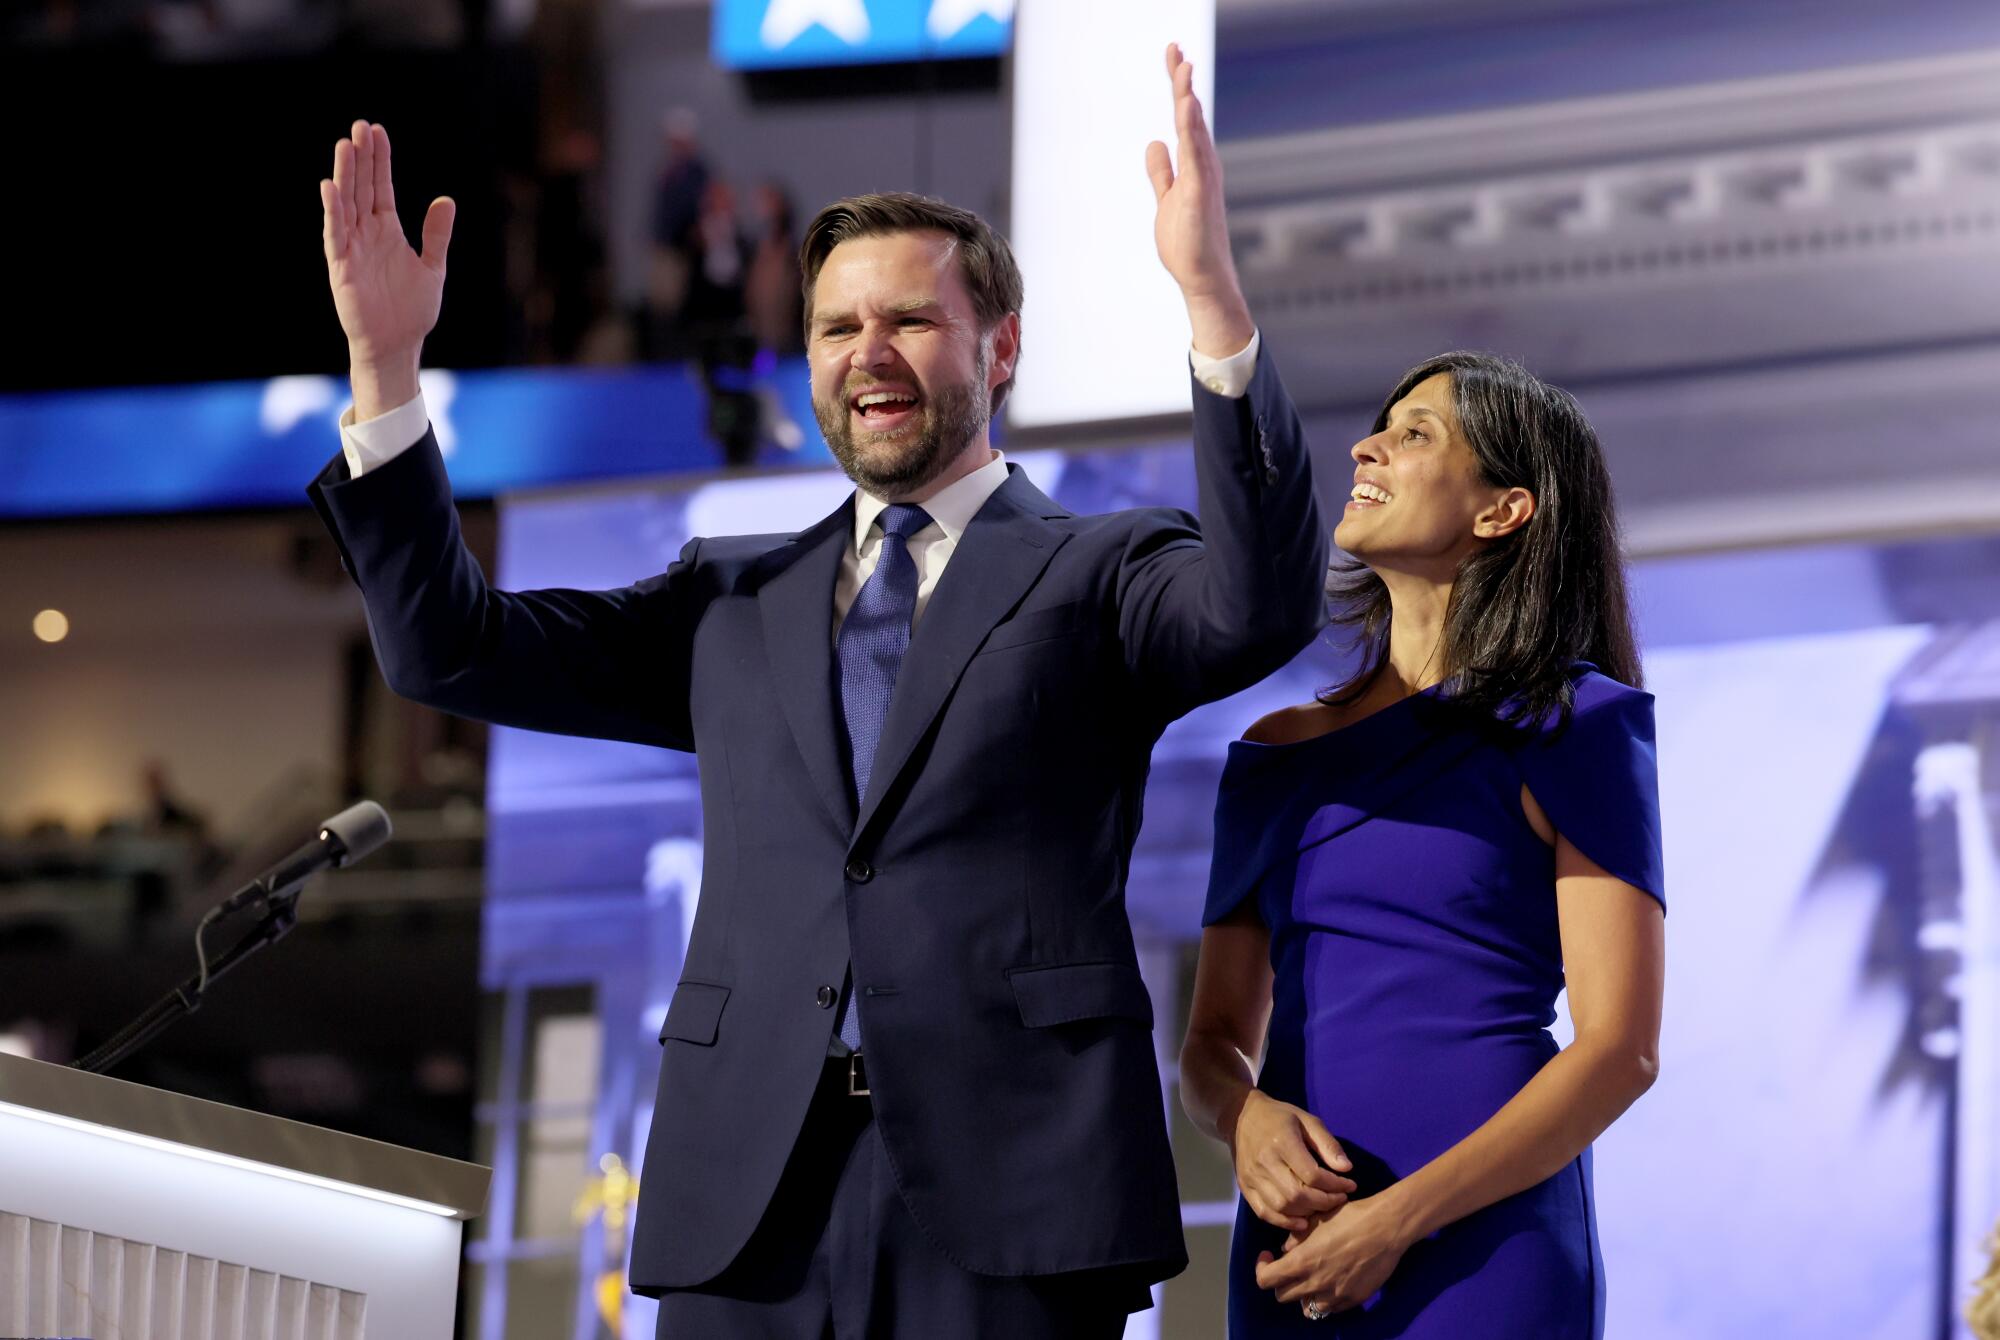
{"points": [[1414, 939]]}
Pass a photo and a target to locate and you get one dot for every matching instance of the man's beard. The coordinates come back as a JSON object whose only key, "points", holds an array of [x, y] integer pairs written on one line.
{"points": [[951, 416]]}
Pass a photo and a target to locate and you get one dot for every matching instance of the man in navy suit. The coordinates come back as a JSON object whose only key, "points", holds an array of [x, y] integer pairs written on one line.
{"points": [[908, 1086]]}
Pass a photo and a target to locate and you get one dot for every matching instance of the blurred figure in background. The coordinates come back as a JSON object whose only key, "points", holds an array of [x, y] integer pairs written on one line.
{"points": [[569, 252], [720, 256], [677, 204], [164, 812], [772, 300], [712, 327]]}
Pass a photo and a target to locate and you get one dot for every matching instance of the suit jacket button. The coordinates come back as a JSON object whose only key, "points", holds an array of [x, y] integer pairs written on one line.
{"points": [[1271, 475], [860, 871], [825, 996]]}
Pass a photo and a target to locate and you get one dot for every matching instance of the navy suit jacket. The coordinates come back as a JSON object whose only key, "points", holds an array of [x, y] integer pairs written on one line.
{"points": [[978, 888]]}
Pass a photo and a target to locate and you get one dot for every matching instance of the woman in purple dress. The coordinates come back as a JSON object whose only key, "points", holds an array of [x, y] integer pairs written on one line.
{"points": [[1410, 869]]}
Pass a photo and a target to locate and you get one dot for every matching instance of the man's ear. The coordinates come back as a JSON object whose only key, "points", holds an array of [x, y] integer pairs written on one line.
{"points": [[1006, 337], [1507, 514]]}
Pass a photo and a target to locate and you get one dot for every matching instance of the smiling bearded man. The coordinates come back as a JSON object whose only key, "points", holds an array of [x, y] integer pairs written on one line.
{"points": [[919, 446], [907, 1080], [950, 294]]}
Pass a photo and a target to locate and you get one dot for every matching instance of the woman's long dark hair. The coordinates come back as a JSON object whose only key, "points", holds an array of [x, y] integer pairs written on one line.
{"points": [[1526, 607]]}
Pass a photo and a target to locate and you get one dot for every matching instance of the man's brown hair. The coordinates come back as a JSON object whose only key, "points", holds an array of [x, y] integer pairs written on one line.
{"points": [[985, 261]]}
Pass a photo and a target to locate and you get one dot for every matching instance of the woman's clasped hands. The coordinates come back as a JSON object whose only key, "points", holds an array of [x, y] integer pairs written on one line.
{"points": [[1340, 1261], [1292, 1173]]}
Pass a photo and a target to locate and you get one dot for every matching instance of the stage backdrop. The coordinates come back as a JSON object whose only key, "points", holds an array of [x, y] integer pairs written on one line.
{"points": [[1806, 1165]]}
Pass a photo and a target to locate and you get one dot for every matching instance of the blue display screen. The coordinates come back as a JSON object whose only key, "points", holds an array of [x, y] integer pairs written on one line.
{"points": [[781, 34], [257, 444]]}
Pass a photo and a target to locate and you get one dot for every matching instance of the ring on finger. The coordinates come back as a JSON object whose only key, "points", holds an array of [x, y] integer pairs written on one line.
{"points": [[1316, 1310]]}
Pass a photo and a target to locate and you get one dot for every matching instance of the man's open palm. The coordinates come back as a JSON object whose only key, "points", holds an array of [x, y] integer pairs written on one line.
{"points": [[1189, 226], [387, 294]]}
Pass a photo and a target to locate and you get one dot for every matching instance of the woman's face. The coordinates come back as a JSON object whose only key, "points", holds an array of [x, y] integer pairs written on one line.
{"points": [[1419, 503]]}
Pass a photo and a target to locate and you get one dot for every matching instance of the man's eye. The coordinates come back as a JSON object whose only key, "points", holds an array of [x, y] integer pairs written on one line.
{"points": [[915, 321]]}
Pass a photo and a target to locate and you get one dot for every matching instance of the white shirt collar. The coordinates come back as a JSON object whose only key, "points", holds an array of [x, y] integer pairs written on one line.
{"points": [[951, 508]]}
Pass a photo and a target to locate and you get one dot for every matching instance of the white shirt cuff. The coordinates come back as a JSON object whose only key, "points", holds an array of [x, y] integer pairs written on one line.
{"points": [[1229, 376], [377, 441]]}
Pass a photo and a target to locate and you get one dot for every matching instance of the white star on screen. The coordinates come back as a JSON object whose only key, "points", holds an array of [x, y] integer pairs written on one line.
{"points": [[949, 17], [786, 19]]}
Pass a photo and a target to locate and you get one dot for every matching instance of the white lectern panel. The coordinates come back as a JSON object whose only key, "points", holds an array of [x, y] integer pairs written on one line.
{"points": [[255, 1243], [56, 1280]]}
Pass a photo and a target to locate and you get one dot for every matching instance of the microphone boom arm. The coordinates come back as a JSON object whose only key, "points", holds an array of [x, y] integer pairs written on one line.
{"points": [[344, 839]]}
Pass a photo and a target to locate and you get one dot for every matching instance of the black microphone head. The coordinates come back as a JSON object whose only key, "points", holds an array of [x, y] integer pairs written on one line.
{"points": [[357, 830]]}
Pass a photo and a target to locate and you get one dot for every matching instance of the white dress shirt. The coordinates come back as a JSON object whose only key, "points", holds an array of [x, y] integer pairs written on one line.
{"points": [[951, 510], [375, 442]]}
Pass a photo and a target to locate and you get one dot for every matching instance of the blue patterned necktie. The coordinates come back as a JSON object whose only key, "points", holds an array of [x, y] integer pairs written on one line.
{"points": [[873, 638]]}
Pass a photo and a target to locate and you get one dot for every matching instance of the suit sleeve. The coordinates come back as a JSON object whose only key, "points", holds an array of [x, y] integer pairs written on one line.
{"points": [[613, 664], [1207, 610]]}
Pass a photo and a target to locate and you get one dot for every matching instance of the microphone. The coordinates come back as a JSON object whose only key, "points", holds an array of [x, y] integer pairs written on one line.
{"points": [[344, 839]]}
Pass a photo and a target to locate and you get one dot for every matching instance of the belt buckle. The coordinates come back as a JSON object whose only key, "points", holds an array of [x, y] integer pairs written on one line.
{"points": [[857, 1076]]}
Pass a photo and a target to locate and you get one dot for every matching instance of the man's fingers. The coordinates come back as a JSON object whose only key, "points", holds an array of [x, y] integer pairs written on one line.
{"points": [[343, 168], [385, 193], [333, 220], [1329, 1150], [437, 231], [1185, 105], [1159, 168], [343, 179], [364, 169]]}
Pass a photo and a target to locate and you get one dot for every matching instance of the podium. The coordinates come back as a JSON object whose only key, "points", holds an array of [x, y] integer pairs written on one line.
{"points": [[129, 1213]]}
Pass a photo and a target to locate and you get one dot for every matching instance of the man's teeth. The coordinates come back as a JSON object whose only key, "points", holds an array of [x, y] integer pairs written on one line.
{"points": [[884, 398], [1369, 493]]}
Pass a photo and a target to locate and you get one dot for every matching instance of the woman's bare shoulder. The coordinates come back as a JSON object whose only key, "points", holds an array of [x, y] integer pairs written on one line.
{"points": [[1289, 725]]}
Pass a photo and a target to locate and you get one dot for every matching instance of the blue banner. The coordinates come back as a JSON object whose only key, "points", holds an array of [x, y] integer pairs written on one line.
{"points": [[257, 444], [775, 34]]}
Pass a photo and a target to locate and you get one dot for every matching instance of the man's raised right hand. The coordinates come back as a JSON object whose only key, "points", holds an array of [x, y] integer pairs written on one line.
{"points": [[387, 294]]}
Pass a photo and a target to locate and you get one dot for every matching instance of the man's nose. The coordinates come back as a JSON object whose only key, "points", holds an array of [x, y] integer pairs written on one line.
{"points": [[873, 351]]}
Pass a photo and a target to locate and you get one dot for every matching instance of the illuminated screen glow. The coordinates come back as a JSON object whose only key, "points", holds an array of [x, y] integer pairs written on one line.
{"points": [[778, 34]]}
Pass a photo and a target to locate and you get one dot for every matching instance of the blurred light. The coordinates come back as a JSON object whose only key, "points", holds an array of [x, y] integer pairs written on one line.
{"points": [[439, 388], [1939, 936], [1941, 1043], [20, 1044], [289, 400], [51, 625], [769, 34]]}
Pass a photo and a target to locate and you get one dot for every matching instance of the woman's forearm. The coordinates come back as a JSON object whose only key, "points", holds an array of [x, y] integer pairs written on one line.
{"points": [[1216, 1080], [1554, 1117]]}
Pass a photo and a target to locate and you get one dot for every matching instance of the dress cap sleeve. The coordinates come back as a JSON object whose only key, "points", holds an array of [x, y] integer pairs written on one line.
{"points": [[1598, 780], [1250, 836]]}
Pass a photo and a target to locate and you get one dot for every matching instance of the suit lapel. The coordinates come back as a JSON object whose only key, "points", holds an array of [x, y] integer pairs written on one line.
{"points": [[797, 607], [997, 560]]}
